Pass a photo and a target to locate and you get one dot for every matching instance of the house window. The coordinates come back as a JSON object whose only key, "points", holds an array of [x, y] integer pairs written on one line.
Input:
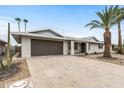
{"points": [[100, 46], [76, 46]]}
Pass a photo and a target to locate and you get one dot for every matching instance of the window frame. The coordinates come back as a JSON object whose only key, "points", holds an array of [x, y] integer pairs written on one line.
{"points": [[75, 46], [100, 46]]}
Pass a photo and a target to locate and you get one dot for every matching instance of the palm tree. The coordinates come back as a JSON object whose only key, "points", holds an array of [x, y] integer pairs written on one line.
{"points": [[119, 16], [25, 21], [105, 22], [18, 20]]}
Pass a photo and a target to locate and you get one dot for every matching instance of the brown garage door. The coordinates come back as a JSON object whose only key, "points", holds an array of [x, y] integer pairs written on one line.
{"points": [[45, 47]]}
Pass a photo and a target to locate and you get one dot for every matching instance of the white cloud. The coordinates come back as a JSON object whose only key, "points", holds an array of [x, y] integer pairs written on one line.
{"points": [[6, 18]]}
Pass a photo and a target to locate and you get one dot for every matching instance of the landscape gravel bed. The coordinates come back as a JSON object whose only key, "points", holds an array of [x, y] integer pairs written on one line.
{"points": [[22, 73], [116, 58]]}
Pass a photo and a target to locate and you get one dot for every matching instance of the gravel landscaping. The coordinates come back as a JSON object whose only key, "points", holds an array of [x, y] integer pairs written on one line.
{"points": [[22, 72], [116, 58]]}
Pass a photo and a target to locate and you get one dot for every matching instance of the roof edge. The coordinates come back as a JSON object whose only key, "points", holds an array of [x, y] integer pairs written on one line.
{"points": [[47, 30]]}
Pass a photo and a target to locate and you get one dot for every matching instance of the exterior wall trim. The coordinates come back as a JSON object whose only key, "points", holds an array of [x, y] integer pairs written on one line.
{"points": [[26, 47]]}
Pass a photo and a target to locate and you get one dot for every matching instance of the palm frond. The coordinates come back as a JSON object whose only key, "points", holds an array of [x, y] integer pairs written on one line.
{"points": [[120, 17], [107, 16], [115, 9], [119, 14], [101, 16], [95, 24], [18, 19]]}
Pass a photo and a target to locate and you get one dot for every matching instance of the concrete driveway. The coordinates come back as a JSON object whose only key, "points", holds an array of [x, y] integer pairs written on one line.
{"points": [[72, 71]]}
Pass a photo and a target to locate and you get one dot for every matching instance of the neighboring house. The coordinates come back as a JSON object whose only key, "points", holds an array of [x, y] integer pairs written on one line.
{"points": [[48, 42], [2, 47]]}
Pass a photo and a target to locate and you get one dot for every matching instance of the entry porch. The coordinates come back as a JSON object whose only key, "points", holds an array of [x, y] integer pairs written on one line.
{"points": [[74, 47]]}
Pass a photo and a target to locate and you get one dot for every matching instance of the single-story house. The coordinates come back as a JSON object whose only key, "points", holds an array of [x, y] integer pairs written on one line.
{"points": [[2, 47], [49, 42]]}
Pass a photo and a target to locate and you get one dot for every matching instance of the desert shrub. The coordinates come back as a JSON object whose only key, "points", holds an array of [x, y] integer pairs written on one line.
{"points": [[123, 50], [95, 53], [86, 53], [1, 64], [11, 54], [3, 60], [117, 50]]}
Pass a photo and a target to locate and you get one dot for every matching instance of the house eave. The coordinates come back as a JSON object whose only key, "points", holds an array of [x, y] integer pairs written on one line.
{"points": [[18, 35]]}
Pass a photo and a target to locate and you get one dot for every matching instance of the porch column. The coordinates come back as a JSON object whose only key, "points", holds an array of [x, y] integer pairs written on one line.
{"points": [[72, 47], [65, 47], [87, 47], [26, 47]]}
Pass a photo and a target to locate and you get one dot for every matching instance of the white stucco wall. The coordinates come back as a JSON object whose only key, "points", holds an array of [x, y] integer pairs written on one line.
{"points": [[72, 48], [87, 47], [94, 48], [65, 47], [26, 47], [78, 49]]}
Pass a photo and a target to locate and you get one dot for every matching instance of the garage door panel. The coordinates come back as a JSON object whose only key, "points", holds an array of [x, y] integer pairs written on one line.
{"points": [[45, 47]]}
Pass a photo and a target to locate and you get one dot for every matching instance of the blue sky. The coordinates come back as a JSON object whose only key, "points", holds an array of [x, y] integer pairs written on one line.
{"points": [[67, 20]]}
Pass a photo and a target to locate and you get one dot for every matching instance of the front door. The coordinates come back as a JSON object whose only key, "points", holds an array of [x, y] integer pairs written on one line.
{"points": [[83, 47]]}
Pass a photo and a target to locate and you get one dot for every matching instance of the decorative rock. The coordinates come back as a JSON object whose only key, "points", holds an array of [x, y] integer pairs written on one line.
{"points": [[19, 84]]}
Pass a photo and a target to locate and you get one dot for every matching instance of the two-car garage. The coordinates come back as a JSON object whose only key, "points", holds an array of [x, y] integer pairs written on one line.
{"points": [[41, 43], [46, 47]]}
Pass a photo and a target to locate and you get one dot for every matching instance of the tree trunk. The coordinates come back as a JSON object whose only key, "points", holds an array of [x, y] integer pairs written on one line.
{"points": [[119, 39], [107, 43], [25, 26], [19, 26]]}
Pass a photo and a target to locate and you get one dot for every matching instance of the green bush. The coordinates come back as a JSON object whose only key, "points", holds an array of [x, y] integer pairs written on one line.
{"points": [[123, 50], [118, 51]]}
